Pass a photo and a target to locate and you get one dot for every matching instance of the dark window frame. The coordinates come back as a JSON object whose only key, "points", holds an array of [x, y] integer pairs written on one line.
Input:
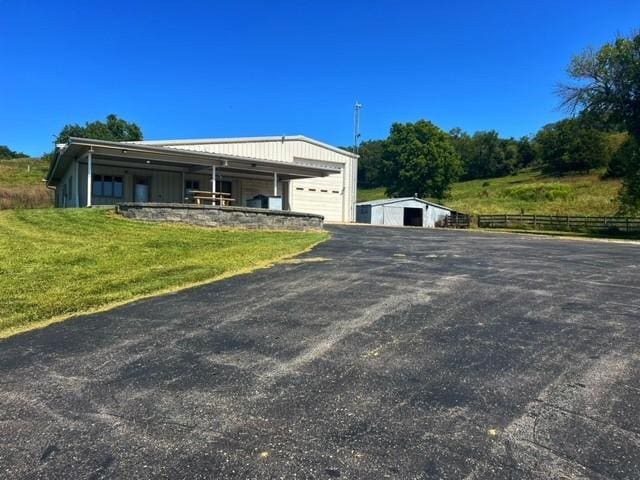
{"points": [[191, 184], [98, 185]]}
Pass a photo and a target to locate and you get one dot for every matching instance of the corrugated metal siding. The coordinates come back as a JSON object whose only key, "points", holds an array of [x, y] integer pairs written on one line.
{"points": [[270, 150], [333, 196], [435, 214], [334, 207], [250, 188], [393, 213]]}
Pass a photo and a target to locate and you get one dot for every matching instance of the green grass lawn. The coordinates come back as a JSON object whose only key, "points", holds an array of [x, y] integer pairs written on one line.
{"points": [[531, 192], [56, 263]]}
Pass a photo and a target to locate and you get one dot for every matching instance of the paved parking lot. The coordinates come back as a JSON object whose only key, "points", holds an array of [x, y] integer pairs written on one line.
{"points": [[384, 353]]}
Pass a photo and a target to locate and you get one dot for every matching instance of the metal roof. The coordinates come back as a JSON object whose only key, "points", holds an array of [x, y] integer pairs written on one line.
{"points": [[273, 138], [134, 152], [386, 201]]}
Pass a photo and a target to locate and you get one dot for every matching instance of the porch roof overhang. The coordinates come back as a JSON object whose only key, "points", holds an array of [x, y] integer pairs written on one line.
{"points": [[148, 156]]}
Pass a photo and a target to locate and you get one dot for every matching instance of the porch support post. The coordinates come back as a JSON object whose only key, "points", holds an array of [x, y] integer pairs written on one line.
{"points": [[275, 184], [89, 178], [76, 184], [182, 189], [213, 178]]}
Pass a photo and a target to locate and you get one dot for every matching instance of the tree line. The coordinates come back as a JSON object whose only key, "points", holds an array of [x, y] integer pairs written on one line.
{"points": [[572, 145], [602, 131], [7, 154]]}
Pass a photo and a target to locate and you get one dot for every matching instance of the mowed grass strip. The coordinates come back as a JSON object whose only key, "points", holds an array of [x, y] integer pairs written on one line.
{"points": [[57, 263]]}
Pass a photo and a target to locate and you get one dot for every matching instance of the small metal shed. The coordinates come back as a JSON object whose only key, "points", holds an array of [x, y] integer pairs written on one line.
{"points": [[409, 211]]}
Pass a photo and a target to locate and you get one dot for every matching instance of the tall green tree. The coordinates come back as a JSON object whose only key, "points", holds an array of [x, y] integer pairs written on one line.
{"points": [[464, 145], [370, 163], [486, 155], [608, 86], [114, 129], [419, 159], [571, 146], [527, 155], [489, 156], [623, 158]]}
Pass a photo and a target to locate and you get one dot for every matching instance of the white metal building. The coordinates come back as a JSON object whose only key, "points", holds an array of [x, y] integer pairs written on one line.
{"points": [[399, 212], [309, 176]]}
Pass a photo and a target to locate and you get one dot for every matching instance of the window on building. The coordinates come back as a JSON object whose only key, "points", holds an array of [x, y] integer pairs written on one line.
{"points": [[223, 186], [107, 186], [191, 185]]}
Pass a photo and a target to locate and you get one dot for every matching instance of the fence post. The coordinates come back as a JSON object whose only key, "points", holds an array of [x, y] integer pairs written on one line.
{"points": [[506, 222], [535, 223], [627, 224]]}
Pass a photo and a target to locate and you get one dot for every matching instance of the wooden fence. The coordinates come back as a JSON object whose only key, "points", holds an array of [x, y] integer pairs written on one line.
{"points": [[457, 220], [560, 222]]}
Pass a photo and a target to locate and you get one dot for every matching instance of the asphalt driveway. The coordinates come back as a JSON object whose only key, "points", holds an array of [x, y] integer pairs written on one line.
{"points": [[384, 353]]}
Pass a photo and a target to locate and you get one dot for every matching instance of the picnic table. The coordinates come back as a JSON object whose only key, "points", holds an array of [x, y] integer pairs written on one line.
{"points": [[203, 197]]}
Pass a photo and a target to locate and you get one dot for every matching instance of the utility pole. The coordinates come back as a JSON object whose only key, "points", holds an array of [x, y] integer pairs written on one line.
{"points": [[356, 126]]}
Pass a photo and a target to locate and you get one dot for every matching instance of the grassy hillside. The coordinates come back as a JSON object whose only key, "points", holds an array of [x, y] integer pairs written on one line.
{"points": [[531, 192], [58, 262], [21, 184], [368, 194]]}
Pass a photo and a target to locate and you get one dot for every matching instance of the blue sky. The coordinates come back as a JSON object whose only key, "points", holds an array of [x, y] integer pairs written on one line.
{"points": [[206, 69]]}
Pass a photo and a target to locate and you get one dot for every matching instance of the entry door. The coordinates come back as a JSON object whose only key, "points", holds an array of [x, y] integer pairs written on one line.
{"points": [[141, 189], [413, 217], [285, 196]]}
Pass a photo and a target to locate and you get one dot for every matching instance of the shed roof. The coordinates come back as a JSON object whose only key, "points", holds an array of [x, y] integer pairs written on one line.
{"points": [[387, 201]]}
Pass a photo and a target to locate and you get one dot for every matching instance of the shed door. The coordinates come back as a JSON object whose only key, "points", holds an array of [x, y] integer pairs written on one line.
{"points": [[412, 217]]}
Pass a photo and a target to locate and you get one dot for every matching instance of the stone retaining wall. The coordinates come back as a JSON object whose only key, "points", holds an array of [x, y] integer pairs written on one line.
{"points": [[216, 216]]}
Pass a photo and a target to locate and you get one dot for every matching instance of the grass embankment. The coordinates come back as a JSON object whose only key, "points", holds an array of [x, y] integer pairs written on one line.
{"points": [[368, 194], [21, 184], [57, 263], [530, 192]]}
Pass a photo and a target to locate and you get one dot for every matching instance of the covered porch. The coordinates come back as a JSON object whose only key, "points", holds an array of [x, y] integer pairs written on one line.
{"points": [[90, 172]]}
